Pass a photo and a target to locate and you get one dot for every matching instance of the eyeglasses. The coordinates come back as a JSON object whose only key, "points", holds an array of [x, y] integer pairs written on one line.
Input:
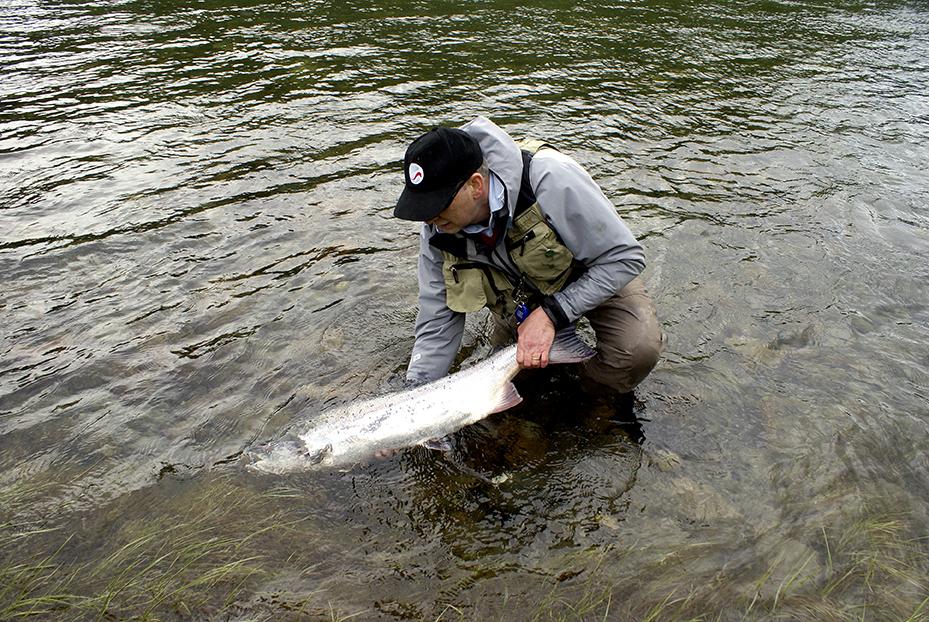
{"points": [[455, 193]]}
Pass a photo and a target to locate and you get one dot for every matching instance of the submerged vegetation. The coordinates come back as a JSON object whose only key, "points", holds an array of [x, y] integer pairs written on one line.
{"points": [[203, 563], [221, 559], [871, 570]]}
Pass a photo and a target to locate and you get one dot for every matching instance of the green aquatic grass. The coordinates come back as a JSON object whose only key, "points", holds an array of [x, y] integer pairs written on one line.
{"points": [[870, 570], [172, 566], [209, 555], [593, 603]]}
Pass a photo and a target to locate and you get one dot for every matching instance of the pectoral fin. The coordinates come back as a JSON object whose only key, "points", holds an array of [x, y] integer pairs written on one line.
{"points": [[438, 444], [320, 455], [509, 397]]}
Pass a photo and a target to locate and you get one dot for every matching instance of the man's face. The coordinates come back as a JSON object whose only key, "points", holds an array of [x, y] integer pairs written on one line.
{"points": [[468, 207]]}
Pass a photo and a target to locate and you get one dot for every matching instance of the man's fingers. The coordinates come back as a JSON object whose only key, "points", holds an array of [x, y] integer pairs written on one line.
{"points": [[536, 360], [535, 340], [529, 361]]}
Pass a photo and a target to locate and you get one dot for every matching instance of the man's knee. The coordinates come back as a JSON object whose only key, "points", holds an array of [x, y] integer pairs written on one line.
{"points": [[623, 372], [629, 339], [644, 358]]}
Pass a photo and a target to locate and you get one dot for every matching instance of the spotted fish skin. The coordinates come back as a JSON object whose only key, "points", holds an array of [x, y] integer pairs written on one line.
{"points": [[355, 432]]}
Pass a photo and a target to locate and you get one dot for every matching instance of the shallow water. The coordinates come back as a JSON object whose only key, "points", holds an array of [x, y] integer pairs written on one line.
{"points": [[197, 248]]}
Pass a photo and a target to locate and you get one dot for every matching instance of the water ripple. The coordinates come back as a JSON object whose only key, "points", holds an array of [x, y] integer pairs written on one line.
{"points": [[197, 248]]}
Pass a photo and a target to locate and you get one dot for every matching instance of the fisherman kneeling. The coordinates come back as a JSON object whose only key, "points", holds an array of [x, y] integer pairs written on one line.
{"points": [[523, 230]]}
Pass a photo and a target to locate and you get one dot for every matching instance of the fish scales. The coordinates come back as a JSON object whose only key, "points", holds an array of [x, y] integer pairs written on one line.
{"points": [[357, 431]]}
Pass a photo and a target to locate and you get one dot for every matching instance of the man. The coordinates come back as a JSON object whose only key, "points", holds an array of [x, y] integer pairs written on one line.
{"points": [[527, 233]]}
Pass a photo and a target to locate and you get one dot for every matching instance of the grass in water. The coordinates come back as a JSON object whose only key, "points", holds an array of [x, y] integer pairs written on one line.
{"points": [[868, 571], [208, 552], [200, 563]]}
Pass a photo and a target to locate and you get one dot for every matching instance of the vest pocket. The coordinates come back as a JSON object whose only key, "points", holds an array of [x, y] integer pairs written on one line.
{"points": [[464, 287], [470, 286], [541, 256]]}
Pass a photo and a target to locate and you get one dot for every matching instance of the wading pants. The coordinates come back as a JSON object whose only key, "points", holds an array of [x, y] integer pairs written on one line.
{"points": [[629, 339]]}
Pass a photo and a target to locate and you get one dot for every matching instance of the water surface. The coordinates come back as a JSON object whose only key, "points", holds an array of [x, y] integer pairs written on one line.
{"points": [[197, 247]]}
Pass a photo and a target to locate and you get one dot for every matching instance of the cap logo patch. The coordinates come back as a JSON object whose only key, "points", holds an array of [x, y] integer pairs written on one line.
{"points": [[416, 173]]}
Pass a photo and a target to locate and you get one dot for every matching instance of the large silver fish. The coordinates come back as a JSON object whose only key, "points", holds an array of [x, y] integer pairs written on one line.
{"points": [[420, 416]]}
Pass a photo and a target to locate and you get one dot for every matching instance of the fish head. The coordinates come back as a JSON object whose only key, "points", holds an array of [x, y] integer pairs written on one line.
{"points": [[288, 456]]}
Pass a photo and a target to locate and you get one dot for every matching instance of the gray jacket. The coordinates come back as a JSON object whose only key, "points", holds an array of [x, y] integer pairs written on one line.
{"points": [[577, 209]]}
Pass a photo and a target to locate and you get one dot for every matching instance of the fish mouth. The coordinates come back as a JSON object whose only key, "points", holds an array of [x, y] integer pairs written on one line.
{"points": [[285, 456]]}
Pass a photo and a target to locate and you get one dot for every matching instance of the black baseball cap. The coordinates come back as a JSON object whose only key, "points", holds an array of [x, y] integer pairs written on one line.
{"points": [[436, 165]]}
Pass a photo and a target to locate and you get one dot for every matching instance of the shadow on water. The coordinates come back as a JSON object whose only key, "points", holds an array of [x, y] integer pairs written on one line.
{"points": [[525, 466]]}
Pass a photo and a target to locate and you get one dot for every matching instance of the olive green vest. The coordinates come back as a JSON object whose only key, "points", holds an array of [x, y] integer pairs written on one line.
{"points": [[543, 261]]}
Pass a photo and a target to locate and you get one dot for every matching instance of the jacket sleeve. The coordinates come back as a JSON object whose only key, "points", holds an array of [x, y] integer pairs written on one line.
{"points": [[590, 227], [438, 328]]}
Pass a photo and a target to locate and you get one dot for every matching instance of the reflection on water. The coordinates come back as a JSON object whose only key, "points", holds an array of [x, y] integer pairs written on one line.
{"points": [[197, 248]]}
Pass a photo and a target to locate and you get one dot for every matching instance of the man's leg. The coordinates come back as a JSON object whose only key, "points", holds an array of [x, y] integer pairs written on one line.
{"points": [[629, 339]]}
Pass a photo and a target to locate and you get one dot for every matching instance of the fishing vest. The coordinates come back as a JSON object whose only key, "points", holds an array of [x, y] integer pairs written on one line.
{"points": [[544, 263]]}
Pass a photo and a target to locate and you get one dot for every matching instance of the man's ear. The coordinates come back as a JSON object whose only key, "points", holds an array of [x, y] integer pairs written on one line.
{"points": [[477, 182]]}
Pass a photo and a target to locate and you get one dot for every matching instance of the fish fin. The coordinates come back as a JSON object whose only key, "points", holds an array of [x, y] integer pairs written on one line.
{"points": [[438, 444], [321, 455], [509, 398], [568, 348]]}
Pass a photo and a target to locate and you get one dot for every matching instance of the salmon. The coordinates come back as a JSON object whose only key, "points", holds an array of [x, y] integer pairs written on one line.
{"points": [[424, 415]]}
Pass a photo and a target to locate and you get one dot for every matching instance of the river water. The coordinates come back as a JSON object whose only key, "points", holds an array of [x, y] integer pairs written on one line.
{"points": [[197, 248]]}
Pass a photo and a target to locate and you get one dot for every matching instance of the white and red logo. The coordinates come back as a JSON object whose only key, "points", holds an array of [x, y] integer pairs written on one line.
{"points": [[416, 174]]}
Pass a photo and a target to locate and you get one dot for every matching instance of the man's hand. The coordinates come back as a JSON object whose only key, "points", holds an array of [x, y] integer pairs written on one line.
{"points": [[536, 334]]}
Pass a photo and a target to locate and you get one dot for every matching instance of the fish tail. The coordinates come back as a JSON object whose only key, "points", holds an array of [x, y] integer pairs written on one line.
{"points": [[568, 348]]}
